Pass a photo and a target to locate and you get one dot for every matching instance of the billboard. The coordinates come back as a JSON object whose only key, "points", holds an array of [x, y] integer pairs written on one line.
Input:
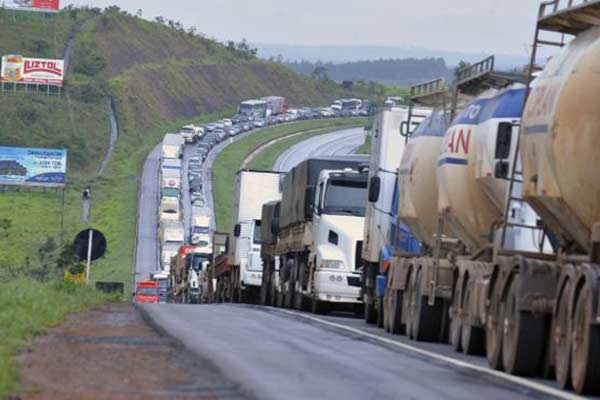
{"points": [[31, 5], [19, 69], [33, 167]]}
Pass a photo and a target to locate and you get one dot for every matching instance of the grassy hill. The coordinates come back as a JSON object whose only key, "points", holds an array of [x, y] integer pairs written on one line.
{"points": [[159, 76]]}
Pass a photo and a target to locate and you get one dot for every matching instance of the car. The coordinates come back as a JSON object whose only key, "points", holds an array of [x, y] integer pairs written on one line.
{"points": [[198, 202], [222, 135], [227, 122], [219, 125], [210, 127], [195, 159], [259, 123]]}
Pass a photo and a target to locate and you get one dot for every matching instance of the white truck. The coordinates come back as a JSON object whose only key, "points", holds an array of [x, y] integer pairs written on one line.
{"points": [[388, 140], [319, 234], [169, 210], [201, 231], [172, 237], [242, 279], [275, 104], [172, 146], [191, 133]]}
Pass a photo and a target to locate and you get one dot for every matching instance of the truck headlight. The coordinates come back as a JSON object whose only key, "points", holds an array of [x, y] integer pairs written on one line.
{"points": [[332, 264]]}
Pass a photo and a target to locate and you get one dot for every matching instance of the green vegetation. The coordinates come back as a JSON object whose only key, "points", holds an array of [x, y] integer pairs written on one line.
{"points": [[27, 313], [229, 160], [366, 146]]}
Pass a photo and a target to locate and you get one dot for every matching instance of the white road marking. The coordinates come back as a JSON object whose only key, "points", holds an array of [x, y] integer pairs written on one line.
{"points": [[538, 387]]}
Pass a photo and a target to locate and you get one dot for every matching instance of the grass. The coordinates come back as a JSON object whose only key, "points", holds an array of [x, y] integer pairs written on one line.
{"points": [[229, 160], [365, 148], [25, 314]]}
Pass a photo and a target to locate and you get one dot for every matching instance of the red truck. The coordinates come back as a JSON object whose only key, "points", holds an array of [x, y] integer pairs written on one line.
{"points": [[147, 292]]}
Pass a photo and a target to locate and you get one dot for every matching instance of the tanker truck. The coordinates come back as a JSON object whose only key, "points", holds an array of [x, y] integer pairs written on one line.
{"points": [[319, 235], [388, 139]]}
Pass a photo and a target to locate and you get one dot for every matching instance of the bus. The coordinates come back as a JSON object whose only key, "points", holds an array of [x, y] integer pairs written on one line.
{"points": [[347, 104], [254, 108]]}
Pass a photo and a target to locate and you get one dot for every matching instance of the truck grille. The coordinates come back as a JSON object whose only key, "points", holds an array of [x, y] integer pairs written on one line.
{"points": [[354, 281]]}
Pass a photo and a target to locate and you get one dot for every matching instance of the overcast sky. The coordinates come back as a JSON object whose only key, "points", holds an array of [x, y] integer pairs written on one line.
{"points": [[489, 26]]}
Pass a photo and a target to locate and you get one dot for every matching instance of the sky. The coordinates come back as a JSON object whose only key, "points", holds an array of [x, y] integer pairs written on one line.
{"points": [[488, 26]]}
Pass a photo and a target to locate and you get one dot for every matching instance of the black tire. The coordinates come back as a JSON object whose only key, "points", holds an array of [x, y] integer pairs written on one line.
{"points": [[265, 286], [493, 328], [380, 313], [407, 310], [274, 297], [427, 322], [319, 307], [561, 336], [456, 318], [395, 313], [370, 311], [473, 337], [585, 348], [523, 336]]}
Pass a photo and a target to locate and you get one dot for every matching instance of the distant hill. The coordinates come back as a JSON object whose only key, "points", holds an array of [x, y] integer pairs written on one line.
{"points": [[342, 54], [393, 72]]}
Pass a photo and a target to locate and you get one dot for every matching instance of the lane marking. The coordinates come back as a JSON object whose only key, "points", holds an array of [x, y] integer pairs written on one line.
{"points": [[538, 387]]}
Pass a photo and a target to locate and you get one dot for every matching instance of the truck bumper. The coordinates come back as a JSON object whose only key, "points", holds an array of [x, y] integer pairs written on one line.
{"points": [[252, 278], [337, 287]]}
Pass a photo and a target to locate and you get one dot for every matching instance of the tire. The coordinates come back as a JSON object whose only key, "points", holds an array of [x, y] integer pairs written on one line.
{"points": [[380, 313], [523, 336], [395, 313], [561, 336], [456, 318], [273, 291], [427, 319], [585, 346], [319, 307], [265, 287], [407, 309], [370, 311], [473, 337], [493, 328]]}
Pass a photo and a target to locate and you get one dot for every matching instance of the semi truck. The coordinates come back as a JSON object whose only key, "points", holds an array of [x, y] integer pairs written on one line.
{"points": [[172, 237], [242, 279], [319, 237], [189, 275], [270, 216], [191, 133], [201, 229], [172, 146], [388, 139], [275, 104]]}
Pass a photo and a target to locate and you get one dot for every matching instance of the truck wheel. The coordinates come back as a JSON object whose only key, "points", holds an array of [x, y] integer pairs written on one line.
{"points": [[370, 312], [562, 337], [523, 337], [456, 319], [585, 347], [427, 319], [407, 309], [473, 340], [395, 313], [274, 294], [380, 313], [319, 307], [493, 327]]}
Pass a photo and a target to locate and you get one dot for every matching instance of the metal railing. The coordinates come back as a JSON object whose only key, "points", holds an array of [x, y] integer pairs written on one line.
{"points": [[476, 70], [553, 6], [428, 88]]}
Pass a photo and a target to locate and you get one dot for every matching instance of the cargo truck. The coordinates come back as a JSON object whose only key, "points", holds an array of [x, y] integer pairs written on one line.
{"points": [[388, 139], [189, 275], [191, 133], [172, 237], [243, 277], [172, 146], [268, 252], [275, 105], [319, 238]]}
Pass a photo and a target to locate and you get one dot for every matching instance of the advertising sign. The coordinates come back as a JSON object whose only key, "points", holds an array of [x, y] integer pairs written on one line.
{"points": [[19, 69], [33, 167], [31, 5]]}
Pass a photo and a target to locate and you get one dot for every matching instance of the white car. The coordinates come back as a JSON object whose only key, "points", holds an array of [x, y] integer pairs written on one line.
{"points": [[169, 210], [227, 122]]}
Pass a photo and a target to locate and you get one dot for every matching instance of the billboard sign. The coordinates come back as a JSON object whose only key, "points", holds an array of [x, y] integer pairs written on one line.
{"points": [[19, 69], [31, 5], [33, 167]]}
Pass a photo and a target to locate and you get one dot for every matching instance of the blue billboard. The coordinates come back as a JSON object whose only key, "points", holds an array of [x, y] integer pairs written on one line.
{"points": [[33, 167]]}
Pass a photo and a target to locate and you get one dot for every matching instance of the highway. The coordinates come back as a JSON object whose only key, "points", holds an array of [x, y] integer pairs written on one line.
{"points": [[274, 354]]}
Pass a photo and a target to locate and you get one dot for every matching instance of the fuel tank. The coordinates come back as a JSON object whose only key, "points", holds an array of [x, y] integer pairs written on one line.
{"points": [[470, 198], [560, 142], [417, 205]]}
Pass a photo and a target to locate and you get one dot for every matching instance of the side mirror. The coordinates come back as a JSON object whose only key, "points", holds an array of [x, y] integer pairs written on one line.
{"points": [[309, 201], [237, 230], [501, 169], [374, 189], [275, 226], [503, 140]]}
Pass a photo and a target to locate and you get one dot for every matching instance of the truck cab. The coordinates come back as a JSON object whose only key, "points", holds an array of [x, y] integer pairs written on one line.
{"points": [[147, 292], [337, 231], [248, 242]]}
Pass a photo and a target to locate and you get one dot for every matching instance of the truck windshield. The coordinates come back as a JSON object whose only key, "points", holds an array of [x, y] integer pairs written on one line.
{"points": [[201, 229], [198, 262], [187, 130], [345, 196], [170, 192], [257, 238], [147, 291]]}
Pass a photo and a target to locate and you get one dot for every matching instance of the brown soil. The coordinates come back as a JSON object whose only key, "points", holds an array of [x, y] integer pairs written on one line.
{"points": [[111, 353]]}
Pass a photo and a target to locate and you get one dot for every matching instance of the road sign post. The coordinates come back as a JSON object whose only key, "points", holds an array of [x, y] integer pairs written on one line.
{"points": [[89, 257]]}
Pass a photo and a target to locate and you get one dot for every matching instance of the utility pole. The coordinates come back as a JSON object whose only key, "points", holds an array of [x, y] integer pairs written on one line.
{"points": [[86, 210]]}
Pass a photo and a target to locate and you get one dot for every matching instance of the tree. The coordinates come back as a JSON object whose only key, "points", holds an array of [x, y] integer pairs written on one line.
{"points": [[5, 225], [319, 73]]}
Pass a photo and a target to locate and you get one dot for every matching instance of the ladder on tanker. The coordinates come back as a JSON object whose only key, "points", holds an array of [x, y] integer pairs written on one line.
{"points": [[432, 94], [557, 17]]}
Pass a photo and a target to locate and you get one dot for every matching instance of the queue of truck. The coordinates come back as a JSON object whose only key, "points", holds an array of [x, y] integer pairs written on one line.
{"points": [[475, 221]]}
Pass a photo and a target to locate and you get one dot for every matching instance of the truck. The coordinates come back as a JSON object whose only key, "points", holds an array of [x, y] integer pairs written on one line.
{"points": [[201, 228], [254, 109], [147, 292], [270, 217], [319, 237], [172, 146], [172, 237], [242, 279], [169, 209], [191, 133], [388, 140], [189, 275], [275, 104]]}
